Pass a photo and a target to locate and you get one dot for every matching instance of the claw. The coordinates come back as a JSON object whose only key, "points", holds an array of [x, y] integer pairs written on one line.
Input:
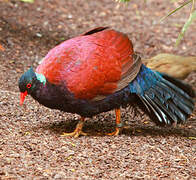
{"points": [[75, 134], [78, 131], [114, 133]]}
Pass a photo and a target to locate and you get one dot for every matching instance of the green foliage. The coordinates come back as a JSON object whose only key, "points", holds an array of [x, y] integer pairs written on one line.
{"points": [[175, 10], [191, 18], [28, 1]]}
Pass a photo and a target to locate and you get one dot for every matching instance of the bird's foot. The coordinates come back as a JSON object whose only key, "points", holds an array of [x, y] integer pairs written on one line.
{"points": [[114, 133], [118, 129], [77, 132]]}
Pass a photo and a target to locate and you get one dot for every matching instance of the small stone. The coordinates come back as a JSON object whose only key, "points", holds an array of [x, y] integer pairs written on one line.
{"points": [[69, 16], [38, 34]]}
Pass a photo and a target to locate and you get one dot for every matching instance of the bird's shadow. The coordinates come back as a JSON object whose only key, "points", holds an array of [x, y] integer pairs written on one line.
{"points": [[101, 128]]}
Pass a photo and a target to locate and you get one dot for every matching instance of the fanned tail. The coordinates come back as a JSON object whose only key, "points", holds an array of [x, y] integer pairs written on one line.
{"points": [[169, 99]]}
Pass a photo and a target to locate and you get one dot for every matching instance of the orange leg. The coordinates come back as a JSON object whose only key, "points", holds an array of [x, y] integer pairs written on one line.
{"points": [[118, 124], [78, 131]]}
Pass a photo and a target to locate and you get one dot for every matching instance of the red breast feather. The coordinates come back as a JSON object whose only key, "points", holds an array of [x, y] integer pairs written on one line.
{"points": [[89, 65]]}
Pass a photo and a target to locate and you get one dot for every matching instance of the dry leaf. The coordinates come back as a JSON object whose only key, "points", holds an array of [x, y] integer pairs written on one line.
{"points": [[192, 138]]}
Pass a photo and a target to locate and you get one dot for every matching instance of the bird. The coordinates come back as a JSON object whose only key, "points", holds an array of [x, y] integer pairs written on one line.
{"points": [[174, 65], [99, 71]]}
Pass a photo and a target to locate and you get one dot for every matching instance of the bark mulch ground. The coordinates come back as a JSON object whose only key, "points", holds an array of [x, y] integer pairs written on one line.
{"points": [[31, 145]]}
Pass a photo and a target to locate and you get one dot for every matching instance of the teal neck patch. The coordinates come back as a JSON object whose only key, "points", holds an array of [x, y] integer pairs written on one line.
{"points": [[41, 78]]}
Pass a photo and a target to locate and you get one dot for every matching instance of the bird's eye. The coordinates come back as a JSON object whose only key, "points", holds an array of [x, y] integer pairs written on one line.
{"points": [[28, 85]]}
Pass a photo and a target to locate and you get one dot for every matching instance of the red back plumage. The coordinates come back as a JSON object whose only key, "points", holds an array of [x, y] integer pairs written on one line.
{"points": [[89, 65]]}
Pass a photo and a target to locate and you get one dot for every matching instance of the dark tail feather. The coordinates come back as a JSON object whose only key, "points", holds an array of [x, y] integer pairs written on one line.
{"points": [[169, 100], [184, 86]]}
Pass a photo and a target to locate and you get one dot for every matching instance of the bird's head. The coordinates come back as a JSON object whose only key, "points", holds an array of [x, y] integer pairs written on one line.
{"points": [[28, 83]]}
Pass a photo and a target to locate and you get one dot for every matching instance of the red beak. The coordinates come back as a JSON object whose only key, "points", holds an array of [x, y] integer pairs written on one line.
{"points": [[22, 97]]}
